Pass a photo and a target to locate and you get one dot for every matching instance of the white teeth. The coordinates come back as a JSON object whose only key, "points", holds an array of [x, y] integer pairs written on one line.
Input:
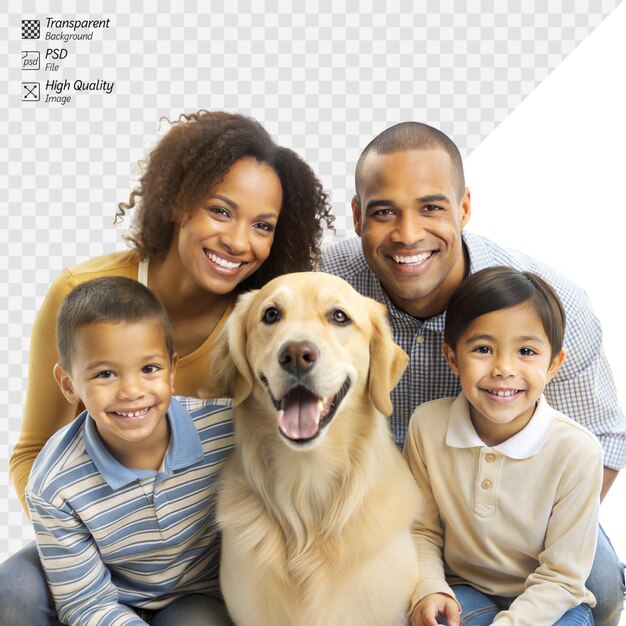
{"points": [[133, 413], [415, 258], [223, 262], [503, 393]]}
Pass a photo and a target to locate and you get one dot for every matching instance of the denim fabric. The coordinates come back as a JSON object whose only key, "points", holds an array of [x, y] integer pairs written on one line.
{"points": [[480, 609], [26, 601], [606, 582], [195, 610]]}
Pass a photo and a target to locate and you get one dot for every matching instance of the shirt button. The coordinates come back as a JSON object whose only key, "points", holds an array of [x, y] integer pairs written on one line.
{"points": [[486, 484], [490, 457], [420, 339]]}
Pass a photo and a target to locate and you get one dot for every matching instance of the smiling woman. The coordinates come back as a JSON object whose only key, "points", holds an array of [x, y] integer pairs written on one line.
{"points": [[220, 208], [229, 235]]}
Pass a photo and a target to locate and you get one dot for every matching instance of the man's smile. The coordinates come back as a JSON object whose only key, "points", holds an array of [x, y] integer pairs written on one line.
{"points": [[413, 259]]}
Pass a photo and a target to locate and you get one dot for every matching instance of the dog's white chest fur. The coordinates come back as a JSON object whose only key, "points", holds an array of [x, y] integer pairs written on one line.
{"points": [[315, 550]]}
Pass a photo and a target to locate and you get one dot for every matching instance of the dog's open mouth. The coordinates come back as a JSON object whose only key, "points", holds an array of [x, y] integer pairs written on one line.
{"points": [[302, 415]]}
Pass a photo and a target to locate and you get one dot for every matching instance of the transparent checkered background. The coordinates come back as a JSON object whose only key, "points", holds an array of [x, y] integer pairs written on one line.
{"points": [[324, 77]]}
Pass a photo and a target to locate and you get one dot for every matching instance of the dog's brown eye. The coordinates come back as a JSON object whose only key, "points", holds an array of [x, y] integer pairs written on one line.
{"points": [[339, 317], [271, 315]]}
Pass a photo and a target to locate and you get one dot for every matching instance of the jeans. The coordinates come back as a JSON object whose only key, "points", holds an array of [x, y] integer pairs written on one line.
{"points": [[606, 582], [479, 609], [196, 610], [26, 601]]}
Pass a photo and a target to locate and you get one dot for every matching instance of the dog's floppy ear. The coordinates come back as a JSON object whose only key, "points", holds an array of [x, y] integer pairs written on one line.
{"points": [[229, 374], [387, 359]]}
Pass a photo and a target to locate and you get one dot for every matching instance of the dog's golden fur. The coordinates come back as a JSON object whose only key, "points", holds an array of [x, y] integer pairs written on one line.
{"points": [[316, 529]]}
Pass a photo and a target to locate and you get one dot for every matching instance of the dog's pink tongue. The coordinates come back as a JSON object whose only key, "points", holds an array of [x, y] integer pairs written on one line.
{"points": [[300, 416]]}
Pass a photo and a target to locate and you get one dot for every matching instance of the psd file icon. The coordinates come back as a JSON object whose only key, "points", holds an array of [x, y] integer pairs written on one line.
{"points": [[30, 92], [30, 59], [30, 29]]}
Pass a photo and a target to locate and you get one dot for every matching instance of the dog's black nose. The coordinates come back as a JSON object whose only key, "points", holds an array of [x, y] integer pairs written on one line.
{"points": [[297, 357]]}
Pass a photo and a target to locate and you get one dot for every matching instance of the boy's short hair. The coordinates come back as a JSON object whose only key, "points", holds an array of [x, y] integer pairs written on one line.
{"points": [[110, 299], [500, 287]]}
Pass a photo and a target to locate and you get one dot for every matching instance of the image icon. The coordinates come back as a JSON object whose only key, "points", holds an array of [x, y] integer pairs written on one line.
{"points": [[30, 92], [30, 59], [30, 29]]}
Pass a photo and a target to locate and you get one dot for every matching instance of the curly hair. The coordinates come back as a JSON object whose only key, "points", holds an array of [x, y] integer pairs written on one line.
{"points": [[194, 157]]}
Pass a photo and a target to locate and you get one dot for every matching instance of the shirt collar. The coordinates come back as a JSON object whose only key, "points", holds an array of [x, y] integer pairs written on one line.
{"points": [[526, 443], [185, 449], [378, 293], [477, 252]]}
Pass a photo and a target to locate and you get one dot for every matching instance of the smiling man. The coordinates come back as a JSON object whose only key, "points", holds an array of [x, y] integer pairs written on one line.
{"points": [[409, 220], [410, 209]]}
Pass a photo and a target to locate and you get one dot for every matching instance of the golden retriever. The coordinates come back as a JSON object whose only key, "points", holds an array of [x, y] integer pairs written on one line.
{"points": [[316, 504]]}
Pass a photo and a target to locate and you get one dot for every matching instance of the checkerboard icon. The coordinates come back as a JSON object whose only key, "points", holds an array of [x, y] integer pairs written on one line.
{"points": [[30, 29]]}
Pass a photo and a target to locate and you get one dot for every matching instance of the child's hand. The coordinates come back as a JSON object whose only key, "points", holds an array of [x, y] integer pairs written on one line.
{"points": [[435, 605]]}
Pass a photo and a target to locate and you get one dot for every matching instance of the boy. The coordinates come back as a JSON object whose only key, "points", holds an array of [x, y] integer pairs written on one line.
{"points": [[122, 499], [517, 527]]}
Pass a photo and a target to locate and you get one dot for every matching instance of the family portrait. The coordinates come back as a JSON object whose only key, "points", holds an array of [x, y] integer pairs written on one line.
{"points": [[313, 330]]}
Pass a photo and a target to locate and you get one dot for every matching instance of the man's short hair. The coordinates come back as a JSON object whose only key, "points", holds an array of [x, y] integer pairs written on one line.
{"points": [[502, 287], [111, 299], [415, 136]]}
